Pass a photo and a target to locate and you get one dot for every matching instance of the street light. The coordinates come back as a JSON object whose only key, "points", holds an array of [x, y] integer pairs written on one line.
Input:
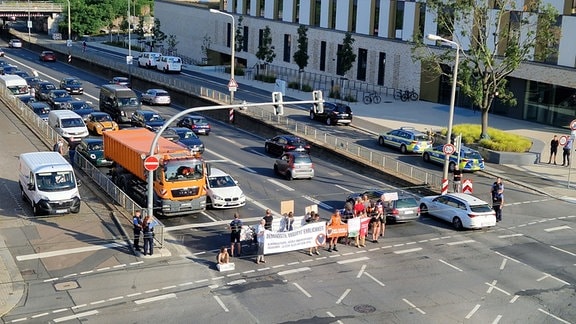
{"points": [[129, 57], [233, 50], [433, 37], [69, 42], [29, 24]]}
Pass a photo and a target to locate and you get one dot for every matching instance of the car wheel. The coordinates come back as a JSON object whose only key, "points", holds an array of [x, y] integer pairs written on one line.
{"points": [[35, 210], [75, 210], [312, 115], [423, 210], [22, 194], [289, 176], [328, 121], [267, 148], [426, 157], [451, 166], [403, 149], [165, 70], [276, 169], [381, 141], [457, 223]]}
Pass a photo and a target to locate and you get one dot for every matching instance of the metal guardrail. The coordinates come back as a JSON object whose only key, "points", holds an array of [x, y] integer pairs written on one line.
{"points": [[34, 6]]}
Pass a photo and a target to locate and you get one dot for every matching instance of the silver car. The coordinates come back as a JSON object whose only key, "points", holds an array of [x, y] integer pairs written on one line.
{"points": [[294, 165], [156, 97]]}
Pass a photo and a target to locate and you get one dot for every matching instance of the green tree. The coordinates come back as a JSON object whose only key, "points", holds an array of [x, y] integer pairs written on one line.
{"points": [[265, 49], [500, 40], [158, 36], [301, 55], [346, 54], [239, 35], [172, 42]]}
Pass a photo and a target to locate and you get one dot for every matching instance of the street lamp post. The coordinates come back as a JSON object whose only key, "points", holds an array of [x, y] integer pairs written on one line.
{"points": [[69, 26], [433, 37], [29, 24], [129, 57], [232, 50]]}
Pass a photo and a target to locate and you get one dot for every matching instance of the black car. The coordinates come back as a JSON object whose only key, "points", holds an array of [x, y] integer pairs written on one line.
{"points": [[9, 69], [43, 88], [123, 81], [41, 109], [80, 107], [334, 113], [57, 98], [32, 81], [197, 124], [21, 74], [26, 99], [72, 85], [185, 137], [148, 119], [281, 144]]}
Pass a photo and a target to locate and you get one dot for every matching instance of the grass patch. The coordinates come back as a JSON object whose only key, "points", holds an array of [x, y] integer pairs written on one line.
{"points": [[499, 140]]}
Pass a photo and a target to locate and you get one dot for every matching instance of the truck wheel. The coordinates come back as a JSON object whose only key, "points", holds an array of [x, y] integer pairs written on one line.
{"points": [[75, 210], [35, 210], [208, 203]]}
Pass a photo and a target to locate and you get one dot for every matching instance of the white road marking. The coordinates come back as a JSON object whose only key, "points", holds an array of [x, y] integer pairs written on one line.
{"points": [[332, 315], [553, 229], [507, 257], [346, 292], [353, 260], [40, 315], [377, 281], [318, 202], [503, 264], [241, 166], [236, 282], [281, 185], [474, 310], [452, 266], [547, 275], [497, 319], [153, 299], [554, 316], [514, 299], [361, 271], [561, 250], [67, 251], [75, 316], [413, 306], [302, 290], [460, 242], [510, 235], [283, 273], [493, 286], [219, 301], [343, 188], [407, 250]]}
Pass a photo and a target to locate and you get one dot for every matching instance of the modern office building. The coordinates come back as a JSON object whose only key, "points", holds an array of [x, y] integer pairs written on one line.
{"points": [[383, 31]]}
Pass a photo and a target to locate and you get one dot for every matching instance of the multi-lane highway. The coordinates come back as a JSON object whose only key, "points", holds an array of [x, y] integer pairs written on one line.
{"points": [[523, 270]]}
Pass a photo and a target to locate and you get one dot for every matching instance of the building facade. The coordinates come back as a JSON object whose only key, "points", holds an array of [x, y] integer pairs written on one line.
{"points": [[383, 32]]}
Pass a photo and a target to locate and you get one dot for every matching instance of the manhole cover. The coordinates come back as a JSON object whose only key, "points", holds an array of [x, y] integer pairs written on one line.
{"points": [[364, 309], [66, 285], [28, 272]]}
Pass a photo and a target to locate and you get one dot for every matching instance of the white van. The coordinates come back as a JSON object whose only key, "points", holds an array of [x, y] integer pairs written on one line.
{"points": [[16, 84], [48, 182], [169, 64], [148, 59], [68, 124]]}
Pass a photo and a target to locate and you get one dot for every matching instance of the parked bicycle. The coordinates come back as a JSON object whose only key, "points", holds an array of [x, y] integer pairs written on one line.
{"points": [[372, 97], [406, 95]]}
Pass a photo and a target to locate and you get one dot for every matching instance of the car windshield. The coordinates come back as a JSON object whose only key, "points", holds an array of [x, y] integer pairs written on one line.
{"points": [[103, 118], [187, 135], [406, 203], [184, 170], [61, 94], [95, 147], [221, 182], [42, 111], [72, 122], [420, 137], [153, 117], [73, 82], [484, 208], [55, 181], [48, 86], [470, 155], [127, 102], [199, 121], [301, 159]]}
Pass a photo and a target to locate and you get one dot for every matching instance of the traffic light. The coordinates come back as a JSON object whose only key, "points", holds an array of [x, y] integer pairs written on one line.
{"points": [[319, 104], [278, 106]]}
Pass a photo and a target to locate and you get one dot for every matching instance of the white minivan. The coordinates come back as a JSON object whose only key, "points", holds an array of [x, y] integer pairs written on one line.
{"points": [[48, 182], [148, 59], [169, 64], [68, 124]]}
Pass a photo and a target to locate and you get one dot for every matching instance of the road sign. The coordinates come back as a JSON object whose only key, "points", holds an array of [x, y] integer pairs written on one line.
{"points": [[69, 42], [151, 163], [573, 125], [563, 140], [467, 186], [129, 59], [232, 85], [448, 149]]}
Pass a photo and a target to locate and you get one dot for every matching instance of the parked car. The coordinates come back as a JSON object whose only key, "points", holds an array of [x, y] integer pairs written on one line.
{"points": [[43, 88], [47, 56], [93, 150], [27, 98], [470, 159], [9, 69], [403, 209], [185, 137], [148, 119], [406, 139], [334, 113], [98, 122], [294, 165], [81, 107], [197, 124], [156, 97], [72, 85], [123, 81], [56, 98], [280, 144], [462, 210], [15, 43], [32, 81], [222, 191], [40, 108]]}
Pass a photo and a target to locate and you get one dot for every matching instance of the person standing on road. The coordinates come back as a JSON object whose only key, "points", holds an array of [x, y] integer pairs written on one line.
{"points": [[566, 152], [335, 219], [553, 149], [137, 224], [148, 234], [235, 229], [268, 218], [457, 178], [59, 146], [314, 249], [497, 193], [260, 230]]}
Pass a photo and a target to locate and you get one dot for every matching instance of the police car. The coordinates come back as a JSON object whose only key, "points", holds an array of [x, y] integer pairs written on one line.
{"points": [[406, 139], [470, 159]]}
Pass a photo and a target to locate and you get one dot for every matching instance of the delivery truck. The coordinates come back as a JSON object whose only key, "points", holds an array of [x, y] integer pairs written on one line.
{"points": [[179, 181]]}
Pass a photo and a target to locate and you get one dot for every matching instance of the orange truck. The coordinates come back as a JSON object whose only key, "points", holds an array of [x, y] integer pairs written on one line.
{"points": [[179, 181]]}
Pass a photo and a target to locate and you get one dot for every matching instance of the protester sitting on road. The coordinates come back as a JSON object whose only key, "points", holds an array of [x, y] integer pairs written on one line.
{"points": [[223, 257]]}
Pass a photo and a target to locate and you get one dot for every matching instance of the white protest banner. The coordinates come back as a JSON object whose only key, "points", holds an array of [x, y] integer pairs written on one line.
{"points": [[353, 227], [313, 234]]}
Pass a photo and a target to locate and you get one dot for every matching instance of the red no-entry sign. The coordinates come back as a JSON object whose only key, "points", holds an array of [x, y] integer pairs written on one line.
{"points": [[151, 163]]}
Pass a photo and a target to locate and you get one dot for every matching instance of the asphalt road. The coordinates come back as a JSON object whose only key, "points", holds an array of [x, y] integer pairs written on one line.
{"points": [[421, 272]]}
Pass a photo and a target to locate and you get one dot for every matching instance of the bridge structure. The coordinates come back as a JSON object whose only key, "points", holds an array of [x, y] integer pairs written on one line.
{"points": [[44, 15]]}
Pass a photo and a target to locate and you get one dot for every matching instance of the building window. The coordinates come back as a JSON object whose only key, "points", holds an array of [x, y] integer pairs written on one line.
{"points": [[376, 25], [228, 39], [381, 68], [339, 61], [422, 17], [399, 21], [362, 64], [279, 9], [261, 5], [247, 5], [352, 26], [260, 37], [287, 47], [332, 19], [322, 56], [297, 12], [316, 12], [245, 40]]}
